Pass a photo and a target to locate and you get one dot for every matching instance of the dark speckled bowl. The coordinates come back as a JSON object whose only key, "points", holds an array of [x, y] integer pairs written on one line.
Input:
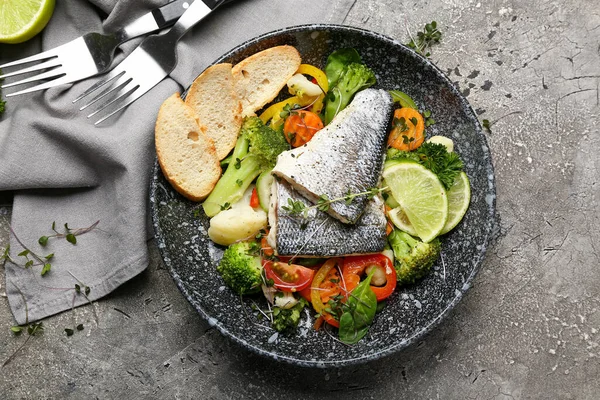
{"points": [[191, 257]]}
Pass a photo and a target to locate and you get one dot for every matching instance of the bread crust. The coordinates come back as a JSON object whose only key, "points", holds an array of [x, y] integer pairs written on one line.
{"points": [[214, 99], [260, 77], [187, 156]]}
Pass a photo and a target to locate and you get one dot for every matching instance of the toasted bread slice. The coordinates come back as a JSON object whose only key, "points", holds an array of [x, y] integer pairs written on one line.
{"points": [[186, 155], [213, 97], [260, 77]]}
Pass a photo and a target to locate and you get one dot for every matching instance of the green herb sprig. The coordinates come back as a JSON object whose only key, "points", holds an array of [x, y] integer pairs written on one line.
{"points": [[32, 259], [434, 156], [297, 207], [429, 36]]}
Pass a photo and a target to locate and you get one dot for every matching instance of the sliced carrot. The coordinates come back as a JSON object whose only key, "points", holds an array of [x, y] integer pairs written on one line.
{"points": [[301, 126], [408, 129], [318, 323], [265, 247]]}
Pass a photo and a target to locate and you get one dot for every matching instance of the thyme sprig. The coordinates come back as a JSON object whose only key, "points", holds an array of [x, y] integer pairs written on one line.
{"points": [[297, 207]]}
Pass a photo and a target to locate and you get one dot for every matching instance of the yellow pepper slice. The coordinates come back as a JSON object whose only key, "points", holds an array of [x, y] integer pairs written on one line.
{"points": [[272, 113], [315, 293], [321, 79]]}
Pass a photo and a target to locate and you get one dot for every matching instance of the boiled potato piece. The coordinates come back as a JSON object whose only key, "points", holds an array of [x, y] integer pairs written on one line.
{"points": [[238, 223]]}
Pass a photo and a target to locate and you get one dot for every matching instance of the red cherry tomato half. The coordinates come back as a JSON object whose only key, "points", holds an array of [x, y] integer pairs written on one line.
{"points": [[355, 266], [288, 277]]}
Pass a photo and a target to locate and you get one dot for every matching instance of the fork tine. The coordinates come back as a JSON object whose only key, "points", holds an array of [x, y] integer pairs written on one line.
{"points": [[37, 57], [42, 86], [124, 90], [47, 64], [133, 96], [55, 73], [116, 73], [118, 84]]}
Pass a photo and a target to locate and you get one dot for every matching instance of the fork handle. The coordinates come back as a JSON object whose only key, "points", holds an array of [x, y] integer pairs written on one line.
{"points": [[154, 20], [194, 14]]}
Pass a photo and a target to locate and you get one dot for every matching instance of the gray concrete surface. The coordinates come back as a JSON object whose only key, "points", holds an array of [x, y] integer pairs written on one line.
{"points": [[528, 329]]}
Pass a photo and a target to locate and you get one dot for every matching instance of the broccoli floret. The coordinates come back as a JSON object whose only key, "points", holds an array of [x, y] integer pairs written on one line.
{"points": [[241, 267], [355, 77], [287, 319], [256, 150], [265, 142], [412, 257]]}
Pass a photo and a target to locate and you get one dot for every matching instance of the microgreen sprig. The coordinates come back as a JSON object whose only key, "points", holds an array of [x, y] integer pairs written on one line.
{"points": [[425, 39], [32, 259]]}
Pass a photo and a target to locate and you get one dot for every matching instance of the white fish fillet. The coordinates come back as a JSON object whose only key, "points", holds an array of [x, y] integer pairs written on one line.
{"points": [[344, 157]]}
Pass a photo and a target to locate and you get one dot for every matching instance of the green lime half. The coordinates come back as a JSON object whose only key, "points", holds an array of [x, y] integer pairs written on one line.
{"points": [[20, 20], [421, 196], [459, 197]]}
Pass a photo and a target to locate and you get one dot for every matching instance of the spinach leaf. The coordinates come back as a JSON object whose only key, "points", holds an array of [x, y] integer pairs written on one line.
{"points": [[337, 62], [403, 99], [360, 312]]}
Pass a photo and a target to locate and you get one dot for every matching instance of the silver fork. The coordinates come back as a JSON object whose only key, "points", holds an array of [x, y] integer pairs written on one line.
{"points": [[89, 54], [146, 66]]}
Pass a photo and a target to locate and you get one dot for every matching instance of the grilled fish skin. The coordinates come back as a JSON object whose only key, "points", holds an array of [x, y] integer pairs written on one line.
{"points": [[318, 234], [344, 157]]}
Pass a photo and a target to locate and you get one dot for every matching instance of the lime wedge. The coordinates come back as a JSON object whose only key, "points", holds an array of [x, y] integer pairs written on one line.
{"points": [[20, 20], [459, 197], [400, 220], [420, 194]]}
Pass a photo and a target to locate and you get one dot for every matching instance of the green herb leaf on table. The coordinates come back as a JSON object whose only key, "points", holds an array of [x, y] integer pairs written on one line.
{"points": [[46, 269], [429, 36], [71, 238], [16, 329], [323, 203], [487, 125]]}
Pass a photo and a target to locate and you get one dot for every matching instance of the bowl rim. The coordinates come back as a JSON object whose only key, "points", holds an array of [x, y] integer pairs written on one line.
{"points": [[485, 243]]}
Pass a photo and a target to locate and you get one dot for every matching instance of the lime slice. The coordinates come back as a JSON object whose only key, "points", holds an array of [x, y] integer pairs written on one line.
{"points": [[400, 220], [459, 197], [420, 194], [20, 20]]}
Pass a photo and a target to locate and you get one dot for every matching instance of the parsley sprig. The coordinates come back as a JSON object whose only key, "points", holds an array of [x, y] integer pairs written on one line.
{"points": [[434, 156]]}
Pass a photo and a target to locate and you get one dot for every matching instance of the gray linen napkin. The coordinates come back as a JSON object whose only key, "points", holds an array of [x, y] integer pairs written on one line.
{"points": [[65, 170]]}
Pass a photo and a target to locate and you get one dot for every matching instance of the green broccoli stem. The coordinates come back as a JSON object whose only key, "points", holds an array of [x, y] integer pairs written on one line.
{"points": [[240, 173], [232, 185], [408, 240]]}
